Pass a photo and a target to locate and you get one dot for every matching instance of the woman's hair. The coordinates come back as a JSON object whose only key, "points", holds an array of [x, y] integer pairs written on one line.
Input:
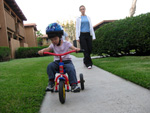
{"points": [[81, 6]]}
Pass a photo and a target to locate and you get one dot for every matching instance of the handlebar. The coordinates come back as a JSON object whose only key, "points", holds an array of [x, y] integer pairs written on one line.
{"points": [[49, 53]]}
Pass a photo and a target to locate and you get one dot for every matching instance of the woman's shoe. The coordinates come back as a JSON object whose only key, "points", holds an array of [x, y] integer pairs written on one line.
{"points": [[89, 67]]}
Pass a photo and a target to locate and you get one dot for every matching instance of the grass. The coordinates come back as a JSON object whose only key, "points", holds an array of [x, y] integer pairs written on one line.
{"points": [[23, 81], [79, 55], [133, 68], [22, 84]]}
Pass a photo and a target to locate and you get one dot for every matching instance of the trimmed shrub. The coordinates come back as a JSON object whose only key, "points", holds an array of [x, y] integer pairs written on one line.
{"points": [[28, 52], [121, 36], [4, 54]]}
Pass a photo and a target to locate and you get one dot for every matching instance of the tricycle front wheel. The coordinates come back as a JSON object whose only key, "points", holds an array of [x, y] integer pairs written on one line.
{"points": [[62, 93]]}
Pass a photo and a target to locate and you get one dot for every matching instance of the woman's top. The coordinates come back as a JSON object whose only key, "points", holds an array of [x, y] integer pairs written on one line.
{"points": [[64, 35], [78, 28], [85, 26], [61, 49]]}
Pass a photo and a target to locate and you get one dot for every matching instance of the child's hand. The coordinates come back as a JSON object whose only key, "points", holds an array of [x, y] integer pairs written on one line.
{"points": [[77, 49], [40, 52]]}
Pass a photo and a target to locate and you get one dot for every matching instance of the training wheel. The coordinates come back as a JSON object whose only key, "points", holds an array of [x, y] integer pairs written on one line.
{"points": [[82, 81]]}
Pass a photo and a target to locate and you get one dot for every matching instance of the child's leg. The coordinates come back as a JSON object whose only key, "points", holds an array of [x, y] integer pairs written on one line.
{"points": [[70, 70], [52, 68]]}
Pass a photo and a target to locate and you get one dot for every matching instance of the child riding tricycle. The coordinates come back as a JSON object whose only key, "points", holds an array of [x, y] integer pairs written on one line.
{"points": [[62, 63]]}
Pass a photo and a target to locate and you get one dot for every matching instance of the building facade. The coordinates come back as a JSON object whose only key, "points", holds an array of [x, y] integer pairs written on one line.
{"points": [[30, 31], [95, 27], [13, 34]]}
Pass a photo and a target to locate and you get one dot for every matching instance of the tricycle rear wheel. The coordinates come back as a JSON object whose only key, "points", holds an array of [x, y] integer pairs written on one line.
{"points": [[81, 81]]}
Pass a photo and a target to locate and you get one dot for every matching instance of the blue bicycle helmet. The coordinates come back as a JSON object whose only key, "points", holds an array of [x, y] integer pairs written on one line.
{"points": [[54, 28]]}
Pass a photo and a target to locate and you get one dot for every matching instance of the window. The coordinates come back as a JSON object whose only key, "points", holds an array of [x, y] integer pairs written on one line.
{"points": [[6, 8], [9, 35], [13, 14], [47, 40], [14, 37]]}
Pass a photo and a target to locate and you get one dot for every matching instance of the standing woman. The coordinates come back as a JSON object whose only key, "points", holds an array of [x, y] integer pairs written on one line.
{"points": [[85, 34]]}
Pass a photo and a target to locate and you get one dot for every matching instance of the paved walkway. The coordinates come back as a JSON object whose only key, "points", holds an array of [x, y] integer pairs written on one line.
{"points": [[104, 93]]}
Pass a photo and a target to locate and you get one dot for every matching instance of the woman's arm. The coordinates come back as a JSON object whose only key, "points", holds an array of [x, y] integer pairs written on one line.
{"points": [[77, 28], [91, 28]]}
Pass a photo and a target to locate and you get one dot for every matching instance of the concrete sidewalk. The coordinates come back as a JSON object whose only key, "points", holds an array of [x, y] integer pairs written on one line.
{"points": [[104, 93]]}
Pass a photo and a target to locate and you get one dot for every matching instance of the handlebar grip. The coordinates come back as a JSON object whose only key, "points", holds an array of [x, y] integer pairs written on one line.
{"points": [[37, 53], [81, 51]]}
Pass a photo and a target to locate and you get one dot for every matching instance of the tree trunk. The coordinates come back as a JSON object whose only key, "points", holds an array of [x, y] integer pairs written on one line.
{"points": [[133, 8]]}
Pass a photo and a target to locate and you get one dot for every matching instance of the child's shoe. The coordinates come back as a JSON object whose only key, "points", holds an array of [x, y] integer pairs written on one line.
{"points": [[75, 88], [50, 86]]}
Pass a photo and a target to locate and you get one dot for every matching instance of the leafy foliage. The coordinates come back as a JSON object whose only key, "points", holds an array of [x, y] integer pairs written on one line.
{"points": [[39, 37], [124, 35], [4, 53], [28, 52], [69, 28]]}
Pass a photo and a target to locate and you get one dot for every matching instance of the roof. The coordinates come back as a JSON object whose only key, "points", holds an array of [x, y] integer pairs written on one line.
{"points": [[31, 25], [44, 36], [102, 23], [16, 9]]}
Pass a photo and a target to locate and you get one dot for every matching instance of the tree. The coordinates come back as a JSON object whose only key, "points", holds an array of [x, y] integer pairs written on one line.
{"points": [[69, 28], [133, 8], [39, 37]]}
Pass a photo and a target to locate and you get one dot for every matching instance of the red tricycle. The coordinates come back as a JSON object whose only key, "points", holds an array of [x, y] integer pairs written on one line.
{"points": [[62, 79]]}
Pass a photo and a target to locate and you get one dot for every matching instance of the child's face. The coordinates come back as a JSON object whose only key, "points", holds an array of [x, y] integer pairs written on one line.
{"points": [[55, 40]]}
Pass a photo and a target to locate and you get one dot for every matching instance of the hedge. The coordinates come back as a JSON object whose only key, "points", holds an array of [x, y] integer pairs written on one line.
{"points": [[4, 54], [28, 52], [121, 36]]}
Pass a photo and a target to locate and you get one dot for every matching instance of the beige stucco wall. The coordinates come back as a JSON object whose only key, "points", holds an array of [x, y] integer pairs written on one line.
{"points": [[21, 30], [10, 21], [45, 43], [25, 45], [30, 37], [3, 29], [15, 44]]}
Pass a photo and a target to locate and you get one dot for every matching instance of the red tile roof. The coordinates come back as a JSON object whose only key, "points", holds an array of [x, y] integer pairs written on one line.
{"points": [[16, 9], [31, 25], [44, 36], [101, 24]]}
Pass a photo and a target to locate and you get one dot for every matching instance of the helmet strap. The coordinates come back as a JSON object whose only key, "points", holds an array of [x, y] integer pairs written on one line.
{"points": [[59, 42]]}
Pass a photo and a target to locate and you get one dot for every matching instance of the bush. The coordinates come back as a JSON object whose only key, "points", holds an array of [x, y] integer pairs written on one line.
{"points": [[4, 54], [28, 52], [124, 35]]}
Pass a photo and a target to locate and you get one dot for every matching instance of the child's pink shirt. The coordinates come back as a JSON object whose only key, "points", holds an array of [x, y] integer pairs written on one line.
{"points": [[61, 49]]}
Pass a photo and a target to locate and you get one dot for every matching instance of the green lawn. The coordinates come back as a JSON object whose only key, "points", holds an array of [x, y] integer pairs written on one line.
{"points": [[79, 55], [22, 84], [23, 81], [132, 68]]}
